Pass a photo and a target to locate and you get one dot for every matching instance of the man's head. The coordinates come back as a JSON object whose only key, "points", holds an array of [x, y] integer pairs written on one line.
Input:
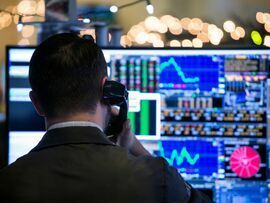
{"points": [[66, 75]]}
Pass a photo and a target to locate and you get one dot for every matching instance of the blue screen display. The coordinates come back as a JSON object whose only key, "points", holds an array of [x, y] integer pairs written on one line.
{"points": [[248, 193], [198, 157], [190, 72]]}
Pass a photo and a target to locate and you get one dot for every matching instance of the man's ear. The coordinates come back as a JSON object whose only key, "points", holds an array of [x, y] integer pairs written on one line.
{"points": [[104, 80], [102, 83], [36, 103], [102, 86]]}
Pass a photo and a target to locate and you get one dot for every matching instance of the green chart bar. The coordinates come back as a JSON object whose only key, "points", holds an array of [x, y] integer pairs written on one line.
{"points": [[144, 118], [144, 76]]}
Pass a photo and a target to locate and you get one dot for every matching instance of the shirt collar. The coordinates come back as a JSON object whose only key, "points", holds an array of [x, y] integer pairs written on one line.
{"points": [[74, 124], [72, 135]]}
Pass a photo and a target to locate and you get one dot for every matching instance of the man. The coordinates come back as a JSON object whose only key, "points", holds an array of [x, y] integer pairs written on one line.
{"points": [[75, 161]]}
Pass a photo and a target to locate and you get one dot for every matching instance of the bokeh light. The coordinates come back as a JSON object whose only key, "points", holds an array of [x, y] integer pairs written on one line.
{"points": [[240, 32], [267, 27], [235, 35], [40, 8], [141, 37], [266, 17], [125, 41], [158, 43], [186, 43], [229, 26], [28, 31], [24, 42], [256, 37], [260, 17], [175, 43], [266, 41], [162, 28], [197, 43], [185, 22], [153, 37], [27, 7], [152, 23], [203, 37]]}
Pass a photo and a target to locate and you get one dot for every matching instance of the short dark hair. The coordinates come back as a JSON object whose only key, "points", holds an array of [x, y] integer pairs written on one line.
{"points": [[66, 73]]}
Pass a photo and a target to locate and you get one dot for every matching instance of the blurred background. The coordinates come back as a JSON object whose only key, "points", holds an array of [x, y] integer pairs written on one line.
{"points": [[204, 85]]}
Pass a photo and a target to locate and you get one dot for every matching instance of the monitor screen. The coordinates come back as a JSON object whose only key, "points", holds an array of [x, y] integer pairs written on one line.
{"points": [[25, 126], [205, 111]]}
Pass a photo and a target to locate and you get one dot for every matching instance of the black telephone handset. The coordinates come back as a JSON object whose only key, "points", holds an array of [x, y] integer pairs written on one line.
{"points": [[115, 94]]}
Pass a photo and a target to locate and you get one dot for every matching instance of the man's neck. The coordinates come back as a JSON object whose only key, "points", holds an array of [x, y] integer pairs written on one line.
{"points": [[86, 117]]}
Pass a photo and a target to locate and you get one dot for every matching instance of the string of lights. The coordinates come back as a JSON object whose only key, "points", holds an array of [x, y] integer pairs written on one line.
{"points": [[171, 31]]}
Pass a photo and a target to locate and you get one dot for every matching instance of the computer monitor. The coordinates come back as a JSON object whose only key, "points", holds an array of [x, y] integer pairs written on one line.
{"points": [[214, 109], [206, 111], [25, 126]]}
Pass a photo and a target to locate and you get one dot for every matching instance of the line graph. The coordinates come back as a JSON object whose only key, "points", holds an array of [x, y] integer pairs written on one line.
{"points": [[197, 157], [179, 158], [190, 72], [180, 73]]}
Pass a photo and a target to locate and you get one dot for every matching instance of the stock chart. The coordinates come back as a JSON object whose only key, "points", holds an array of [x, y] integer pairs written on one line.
{"points": [[143, 121], [197, 158], [136, 73], [189, 72]]}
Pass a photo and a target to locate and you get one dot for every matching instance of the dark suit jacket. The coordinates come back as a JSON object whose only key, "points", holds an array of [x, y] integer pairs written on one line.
{"points": [[79, 164]]}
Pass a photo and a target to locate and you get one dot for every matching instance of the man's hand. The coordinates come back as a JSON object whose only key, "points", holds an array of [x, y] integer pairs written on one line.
{"points": [[128, 140]]}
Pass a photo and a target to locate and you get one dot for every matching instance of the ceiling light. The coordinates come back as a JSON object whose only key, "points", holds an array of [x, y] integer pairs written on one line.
{"points": [[149, 7], [113, 9]]}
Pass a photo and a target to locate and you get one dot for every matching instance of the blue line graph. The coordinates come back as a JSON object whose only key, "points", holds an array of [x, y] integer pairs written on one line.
{"points": [[180, 73], [179, 158], [190, 72], [191, 156]]}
